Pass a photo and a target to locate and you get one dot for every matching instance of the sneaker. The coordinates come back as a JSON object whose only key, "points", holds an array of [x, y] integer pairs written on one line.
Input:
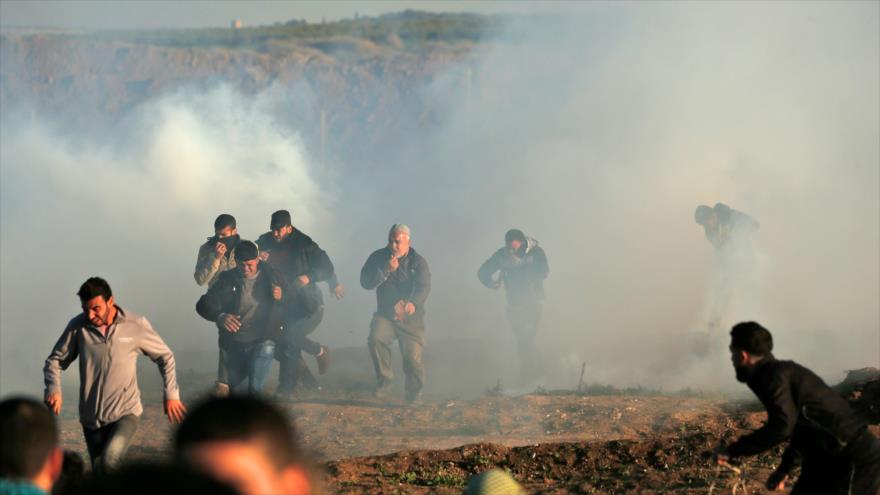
{"points": [[323, 359], [221, 390], [382, 390], [414, 399]]}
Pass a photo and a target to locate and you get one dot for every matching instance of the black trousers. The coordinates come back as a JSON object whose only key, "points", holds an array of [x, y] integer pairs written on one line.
{"points": [[855, 471]]}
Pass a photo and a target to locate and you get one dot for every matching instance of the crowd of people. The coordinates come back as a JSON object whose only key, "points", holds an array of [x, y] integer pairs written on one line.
{"points": [[264, 300]]}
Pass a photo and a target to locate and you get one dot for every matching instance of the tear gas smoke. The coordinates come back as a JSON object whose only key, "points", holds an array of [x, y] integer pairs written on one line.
{"points": [[597, 135]]}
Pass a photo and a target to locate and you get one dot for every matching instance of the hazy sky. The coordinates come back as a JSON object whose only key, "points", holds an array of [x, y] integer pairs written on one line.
{"points": [[166, 14]]}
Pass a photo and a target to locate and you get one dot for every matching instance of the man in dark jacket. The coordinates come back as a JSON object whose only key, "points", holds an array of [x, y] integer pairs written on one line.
{"points": [[521, 266], [840, 455], [216, 256], [402, 282], [302, 264], [247, 305]]}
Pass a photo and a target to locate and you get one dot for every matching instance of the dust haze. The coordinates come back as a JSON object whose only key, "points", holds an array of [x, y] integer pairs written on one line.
{"points": [[597, 133]]}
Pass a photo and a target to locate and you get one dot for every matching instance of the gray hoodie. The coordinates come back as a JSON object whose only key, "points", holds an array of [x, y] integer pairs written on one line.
{"points": [[108, 388]]}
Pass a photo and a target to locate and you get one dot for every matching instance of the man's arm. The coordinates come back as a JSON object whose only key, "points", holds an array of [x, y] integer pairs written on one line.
{"points": [[210, 305], [320, 266], [207, 264], [487, 271], [65, 352], [374, 271], [152, 346], [782, 416], [540, 268]]}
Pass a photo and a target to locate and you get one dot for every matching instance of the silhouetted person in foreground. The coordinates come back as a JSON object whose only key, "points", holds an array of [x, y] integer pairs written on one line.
{"points": [[216, 256], [402, 281], [521, 267], [839, 455], [30, 458], [735, 264], [143, 478], [107, 341], [245, 442]]}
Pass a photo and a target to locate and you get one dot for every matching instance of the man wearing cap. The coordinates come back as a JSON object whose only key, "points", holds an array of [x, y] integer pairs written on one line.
{"points": [[216, 256], [521, 267], [402, 281], [302, 264], [247, 305], [107, 341], [839, 454]]}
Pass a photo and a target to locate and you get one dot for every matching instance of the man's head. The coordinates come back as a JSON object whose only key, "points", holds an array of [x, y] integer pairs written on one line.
{"points": [[245, 442], [97, 301], [749, 344], [514, 239], [29, 450], [247, 258], [281, 225], [705, 216], [224, 226], [398, 239]]}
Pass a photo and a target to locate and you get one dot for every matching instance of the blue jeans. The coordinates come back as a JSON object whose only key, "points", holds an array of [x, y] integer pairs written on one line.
{"points": [[108, 444], [249, 361], [294, 340]]}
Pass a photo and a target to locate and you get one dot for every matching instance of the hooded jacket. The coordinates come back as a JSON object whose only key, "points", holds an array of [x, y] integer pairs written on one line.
{"points": [[297, 254], [800, 406], [225, 297], [410, 282], [522, 274]]}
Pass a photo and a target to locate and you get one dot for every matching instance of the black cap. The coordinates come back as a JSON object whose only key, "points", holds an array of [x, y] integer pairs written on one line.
{"points": [[280, 218], [246, 251]]}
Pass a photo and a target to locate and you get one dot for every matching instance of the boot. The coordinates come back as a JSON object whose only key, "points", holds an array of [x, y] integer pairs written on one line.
{"points": [[323, 359]]}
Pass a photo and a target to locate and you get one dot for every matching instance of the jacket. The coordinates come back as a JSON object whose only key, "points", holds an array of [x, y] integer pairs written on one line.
{"points": [[108, 388], [800, 406], [208, 266], [225, 297], [410, 282], [522, 276], [297, 254]]}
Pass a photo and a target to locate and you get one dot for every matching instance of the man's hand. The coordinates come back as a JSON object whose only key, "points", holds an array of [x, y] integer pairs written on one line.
{"points": [[230, 322], [175, 410], [338, 292], [219, 250], [276, 293], [53, 402], [399, 310], [264, 255], [393, 263], [722, 456], [303, 280], [776, 481], [409, 308]]}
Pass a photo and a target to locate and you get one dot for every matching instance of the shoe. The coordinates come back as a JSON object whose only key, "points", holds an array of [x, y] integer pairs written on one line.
{"points": [[414, 399], [221, 390], [323, 359], [382, 390]]}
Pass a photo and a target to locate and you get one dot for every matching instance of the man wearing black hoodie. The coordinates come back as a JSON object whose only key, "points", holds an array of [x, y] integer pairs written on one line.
{"points": [[521, 266], [402, 281], [302, 264], [247, 306], [839, 455]]}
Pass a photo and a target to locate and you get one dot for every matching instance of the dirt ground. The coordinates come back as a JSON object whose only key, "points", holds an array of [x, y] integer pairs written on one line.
{"points": [[551, 442]]}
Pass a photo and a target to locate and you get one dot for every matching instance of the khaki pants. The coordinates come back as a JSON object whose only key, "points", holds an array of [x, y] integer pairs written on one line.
{"points": [[410, 337]]}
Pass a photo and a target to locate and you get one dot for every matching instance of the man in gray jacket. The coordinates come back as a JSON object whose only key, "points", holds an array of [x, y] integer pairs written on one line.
{"points": [[216, 256], [107, 341]]}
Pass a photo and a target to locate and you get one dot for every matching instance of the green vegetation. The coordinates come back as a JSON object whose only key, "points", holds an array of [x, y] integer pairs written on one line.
{"points": [[412, 28]]}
